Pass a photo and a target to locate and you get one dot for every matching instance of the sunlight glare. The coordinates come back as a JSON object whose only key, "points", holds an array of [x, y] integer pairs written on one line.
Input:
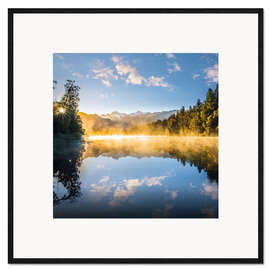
{"points": [[61, 110]]}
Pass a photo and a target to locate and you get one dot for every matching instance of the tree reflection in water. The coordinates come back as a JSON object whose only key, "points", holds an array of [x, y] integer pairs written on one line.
{"points": [[67, 159]]}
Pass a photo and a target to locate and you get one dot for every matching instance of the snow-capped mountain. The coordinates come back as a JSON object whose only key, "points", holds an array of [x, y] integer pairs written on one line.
{"points": [[139, 116], [116, 121]]}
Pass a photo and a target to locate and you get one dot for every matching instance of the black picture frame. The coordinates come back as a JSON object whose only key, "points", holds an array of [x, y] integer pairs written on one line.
{"points": [[13, 260]]}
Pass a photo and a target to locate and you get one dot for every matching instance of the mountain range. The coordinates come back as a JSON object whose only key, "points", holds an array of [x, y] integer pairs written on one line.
{"points": [[116, 121], [138, 116]]}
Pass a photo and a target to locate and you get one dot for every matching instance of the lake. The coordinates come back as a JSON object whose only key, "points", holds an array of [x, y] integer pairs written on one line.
{"points": [[136, 177]]}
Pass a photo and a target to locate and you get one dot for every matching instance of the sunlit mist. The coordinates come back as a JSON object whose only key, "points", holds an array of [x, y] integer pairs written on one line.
{"points": [[121, 137]]}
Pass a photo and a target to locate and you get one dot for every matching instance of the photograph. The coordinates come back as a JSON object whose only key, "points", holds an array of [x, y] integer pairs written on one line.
{"points": [[135, 135], [119, 113]]}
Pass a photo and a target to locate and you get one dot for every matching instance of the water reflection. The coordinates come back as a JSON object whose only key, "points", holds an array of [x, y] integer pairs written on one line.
{"points": [[151, 177], [67, 158], [201, 152]]}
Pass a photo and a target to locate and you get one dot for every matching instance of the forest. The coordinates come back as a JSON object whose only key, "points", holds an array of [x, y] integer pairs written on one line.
{"points": [[198, 120]]}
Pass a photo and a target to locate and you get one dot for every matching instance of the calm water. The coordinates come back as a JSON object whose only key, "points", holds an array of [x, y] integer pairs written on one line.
{"points": [[136, 178]]}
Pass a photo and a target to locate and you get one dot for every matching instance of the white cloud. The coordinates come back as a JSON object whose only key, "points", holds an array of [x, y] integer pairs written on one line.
{"points": [[105, 74], [174, 67], [131, 75], [195, 76], [211, 74], [116, 59], [99, 191], [154, 181], [170, 55], [134, 77], [77, 74], [127, 189], [210, 190], [156, 81], [124, 68]]}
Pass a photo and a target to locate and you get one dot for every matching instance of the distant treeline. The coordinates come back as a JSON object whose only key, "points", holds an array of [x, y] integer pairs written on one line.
{"points": [[200, 119], [66, 120]]}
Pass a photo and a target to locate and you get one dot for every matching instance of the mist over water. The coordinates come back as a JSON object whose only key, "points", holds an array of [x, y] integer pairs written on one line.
{"points": [[137, 177]]}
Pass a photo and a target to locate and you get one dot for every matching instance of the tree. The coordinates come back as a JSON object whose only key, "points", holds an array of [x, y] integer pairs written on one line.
{"points": [[209, 113], [66, 118]]}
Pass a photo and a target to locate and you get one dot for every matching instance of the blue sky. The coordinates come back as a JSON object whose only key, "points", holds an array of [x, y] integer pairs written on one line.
{"points": [[128, 83]]}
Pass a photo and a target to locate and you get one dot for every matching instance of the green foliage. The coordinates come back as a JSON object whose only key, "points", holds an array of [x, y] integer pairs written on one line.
{"points": [[201, 119], [65, 112]]}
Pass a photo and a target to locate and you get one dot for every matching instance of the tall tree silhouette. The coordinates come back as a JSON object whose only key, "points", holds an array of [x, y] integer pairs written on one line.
{"points": [[65, 111]]}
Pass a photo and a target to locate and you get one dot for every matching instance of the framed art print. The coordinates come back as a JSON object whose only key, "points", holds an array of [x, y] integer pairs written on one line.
{"points": [[135, 135]]}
